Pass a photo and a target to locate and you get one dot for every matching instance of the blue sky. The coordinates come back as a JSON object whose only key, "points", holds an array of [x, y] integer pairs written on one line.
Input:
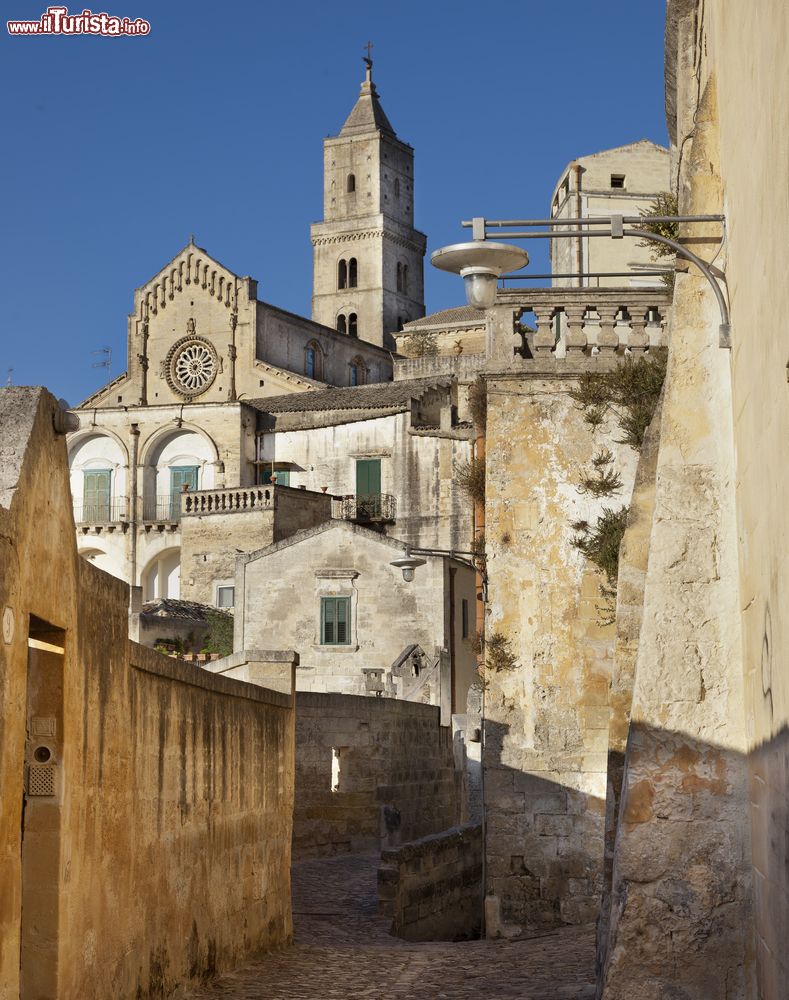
{"points": [[118, 149]]}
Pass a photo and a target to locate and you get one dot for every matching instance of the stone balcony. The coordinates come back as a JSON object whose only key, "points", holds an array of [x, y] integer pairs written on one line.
{"points": [[594, 325], [227, 501]]}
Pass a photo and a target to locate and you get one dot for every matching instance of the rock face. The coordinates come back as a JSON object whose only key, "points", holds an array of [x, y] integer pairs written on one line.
{"points": [[699, 905]]}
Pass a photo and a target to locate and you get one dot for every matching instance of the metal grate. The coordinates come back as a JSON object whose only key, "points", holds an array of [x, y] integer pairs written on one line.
{"points": [[42, 725], [41, 779]]}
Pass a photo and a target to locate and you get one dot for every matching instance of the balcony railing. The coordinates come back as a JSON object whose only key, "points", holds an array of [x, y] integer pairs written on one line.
{"points": [[112, 510], [365, 509], [599, 322], [228, 501], [164, 508]]}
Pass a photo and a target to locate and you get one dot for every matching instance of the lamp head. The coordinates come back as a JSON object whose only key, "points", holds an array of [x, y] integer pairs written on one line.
{"points": [[407, 564], [480, 264]]}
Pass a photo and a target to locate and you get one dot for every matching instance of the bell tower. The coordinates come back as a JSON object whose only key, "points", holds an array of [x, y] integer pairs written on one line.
{"points": [[368, 277]]}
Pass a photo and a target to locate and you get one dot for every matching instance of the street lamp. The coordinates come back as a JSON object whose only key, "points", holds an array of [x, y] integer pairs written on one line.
{"points": [[480, 264], [407, 564]]}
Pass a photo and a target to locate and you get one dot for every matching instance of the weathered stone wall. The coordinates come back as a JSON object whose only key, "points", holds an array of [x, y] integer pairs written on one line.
{"points": [[680, 906], [419, 470], [211, 542], [546, 720], [278, 603], [370, 771], [432, 887], [169, 827]]}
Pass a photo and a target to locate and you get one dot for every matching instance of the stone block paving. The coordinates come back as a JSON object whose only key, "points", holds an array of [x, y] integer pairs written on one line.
{"points": [[343, 951]]}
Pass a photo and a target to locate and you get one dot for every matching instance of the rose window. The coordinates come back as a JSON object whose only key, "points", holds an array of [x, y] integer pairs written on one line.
{"points": [[193, 366]]}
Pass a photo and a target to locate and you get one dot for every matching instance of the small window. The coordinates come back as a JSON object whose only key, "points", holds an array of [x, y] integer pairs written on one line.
{"points": [[397, 187], [351, 186], [566, 186], [405, 279], [342, 324], [399, 276], [617, 180], [353, 330], [354, 377], [335, 621], [280, 477], [309, 363], [352, 273], [225, 597], [464, 617], [342, 274]]}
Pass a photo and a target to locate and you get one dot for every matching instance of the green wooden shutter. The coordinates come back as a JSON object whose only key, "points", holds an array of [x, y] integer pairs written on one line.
{"points": [[180, 476], [96, 495], [368, 476], [335, 621]]}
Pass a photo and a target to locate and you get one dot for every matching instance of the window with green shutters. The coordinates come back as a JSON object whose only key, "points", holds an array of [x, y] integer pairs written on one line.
{"points": [[96, 494], [335, 621]]}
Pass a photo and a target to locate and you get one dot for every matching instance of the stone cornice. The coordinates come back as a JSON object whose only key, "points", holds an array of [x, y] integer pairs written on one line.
{"points": [[367, 234]]}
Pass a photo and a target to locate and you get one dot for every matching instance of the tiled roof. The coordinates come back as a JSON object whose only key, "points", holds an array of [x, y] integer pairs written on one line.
{"points": [[448, 317], [168, 607], [378, 396]]}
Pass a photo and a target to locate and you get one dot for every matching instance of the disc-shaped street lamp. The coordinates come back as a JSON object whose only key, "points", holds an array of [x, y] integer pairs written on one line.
{"points": [[480, 264]]}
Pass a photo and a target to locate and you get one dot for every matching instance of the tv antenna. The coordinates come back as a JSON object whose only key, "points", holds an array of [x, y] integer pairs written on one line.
{"points": [[105, 359]]}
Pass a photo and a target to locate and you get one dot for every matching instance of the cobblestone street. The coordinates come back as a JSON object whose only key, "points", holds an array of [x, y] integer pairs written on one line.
{"points": [[342, 951]]}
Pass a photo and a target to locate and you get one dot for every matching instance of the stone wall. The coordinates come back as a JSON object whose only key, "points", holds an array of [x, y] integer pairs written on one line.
{"points": [[211, 541], [432, 887], [546, 718], [370, 771], [160, 824]]}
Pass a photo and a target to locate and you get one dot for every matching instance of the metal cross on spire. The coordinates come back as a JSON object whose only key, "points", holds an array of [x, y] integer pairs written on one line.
{"points": [[369, 47]]}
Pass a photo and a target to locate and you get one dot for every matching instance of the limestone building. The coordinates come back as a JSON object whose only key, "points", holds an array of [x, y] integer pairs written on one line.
{"points": [[360, 628], [623, 181], [367, 257]]}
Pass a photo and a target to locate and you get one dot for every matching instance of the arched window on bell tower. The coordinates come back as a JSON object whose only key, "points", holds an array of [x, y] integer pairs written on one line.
{"points": [[342, 324], [405, 279], [399, 276], [351, 185], [342, 274], [353, 328], [353, 272]]}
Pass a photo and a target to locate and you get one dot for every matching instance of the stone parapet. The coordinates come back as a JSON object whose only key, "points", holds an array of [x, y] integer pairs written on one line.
{"points": [[432, 887]]}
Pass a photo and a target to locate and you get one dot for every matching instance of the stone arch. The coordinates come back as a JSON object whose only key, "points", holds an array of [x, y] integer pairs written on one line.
{"points": [[103, 560], [104, 454], [162, 434], [161, 575]]}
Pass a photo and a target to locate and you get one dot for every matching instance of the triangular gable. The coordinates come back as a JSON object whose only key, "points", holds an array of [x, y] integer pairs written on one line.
{"points": [[192, 268]]}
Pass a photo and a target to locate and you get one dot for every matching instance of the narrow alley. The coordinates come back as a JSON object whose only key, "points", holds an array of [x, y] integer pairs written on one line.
{"points": [[342, 951]]}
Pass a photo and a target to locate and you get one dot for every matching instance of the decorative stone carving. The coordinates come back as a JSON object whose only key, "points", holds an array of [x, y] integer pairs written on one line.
{"points": [[192, 364]]}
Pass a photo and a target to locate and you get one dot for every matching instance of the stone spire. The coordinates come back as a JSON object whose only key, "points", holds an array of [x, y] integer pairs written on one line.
{"points": [[367, 114]]}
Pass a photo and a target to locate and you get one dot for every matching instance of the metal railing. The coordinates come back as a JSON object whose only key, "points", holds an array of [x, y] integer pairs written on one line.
{"points": [[227, 501], [376, 507], [112, 510], [164, 508]]}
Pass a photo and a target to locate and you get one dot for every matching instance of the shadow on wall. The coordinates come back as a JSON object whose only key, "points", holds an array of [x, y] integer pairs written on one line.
{"points": [[541, 871], [679, 893]]}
